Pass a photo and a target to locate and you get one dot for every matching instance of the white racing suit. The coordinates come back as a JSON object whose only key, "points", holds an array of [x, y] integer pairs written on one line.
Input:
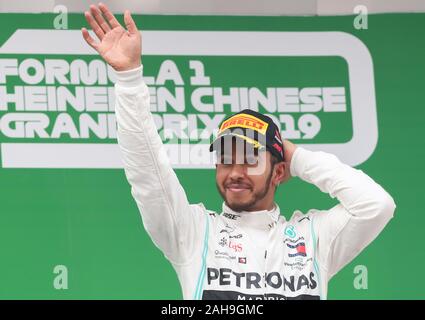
{"points": [[246, 255]]}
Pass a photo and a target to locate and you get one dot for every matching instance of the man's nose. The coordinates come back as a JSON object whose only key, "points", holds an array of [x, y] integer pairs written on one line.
{"points": [[238, 171]]}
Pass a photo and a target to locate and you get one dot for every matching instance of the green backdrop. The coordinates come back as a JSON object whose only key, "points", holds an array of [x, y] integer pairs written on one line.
{"points": [[86, 219]]}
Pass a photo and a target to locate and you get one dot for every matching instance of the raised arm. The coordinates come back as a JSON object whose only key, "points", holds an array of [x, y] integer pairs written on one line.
{"points": [[347, 228], [172, 223]]}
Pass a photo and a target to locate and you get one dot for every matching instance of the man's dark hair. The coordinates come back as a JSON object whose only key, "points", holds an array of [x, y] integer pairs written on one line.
{"points": [[274, 160]]}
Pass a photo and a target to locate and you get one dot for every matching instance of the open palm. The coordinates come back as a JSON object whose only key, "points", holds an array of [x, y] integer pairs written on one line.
{"points": [[119, 47]]}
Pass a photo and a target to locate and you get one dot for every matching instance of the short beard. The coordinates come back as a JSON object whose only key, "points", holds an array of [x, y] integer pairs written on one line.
{"points": [[257, 196]]}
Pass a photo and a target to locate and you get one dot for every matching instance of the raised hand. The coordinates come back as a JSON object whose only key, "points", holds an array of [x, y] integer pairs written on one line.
{"points": [[119, 47]]}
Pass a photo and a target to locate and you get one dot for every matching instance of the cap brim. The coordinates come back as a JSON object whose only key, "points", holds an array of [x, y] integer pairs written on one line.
{"points": [[252, 142]]}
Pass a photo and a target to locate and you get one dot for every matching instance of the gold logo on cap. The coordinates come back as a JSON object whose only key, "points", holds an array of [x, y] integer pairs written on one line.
{"points": [[243, 120]]}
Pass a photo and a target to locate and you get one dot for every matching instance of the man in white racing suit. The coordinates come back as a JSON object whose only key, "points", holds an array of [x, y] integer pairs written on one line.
{"points": [[249, 251]]}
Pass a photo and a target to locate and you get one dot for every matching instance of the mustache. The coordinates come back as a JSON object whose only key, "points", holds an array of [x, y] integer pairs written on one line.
{"points": [[237, 185]]}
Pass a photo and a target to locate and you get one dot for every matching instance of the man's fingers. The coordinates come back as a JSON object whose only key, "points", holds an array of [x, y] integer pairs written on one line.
{"points": [[109, 16], [93, 24], [99, 19], [129, 23], [89, 39]]}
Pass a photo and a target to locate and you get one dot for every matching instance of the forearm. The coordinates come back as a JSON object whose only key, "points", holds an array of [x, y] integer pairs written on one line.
{"points": [[137, 135], [160, 197], [359, 194]]}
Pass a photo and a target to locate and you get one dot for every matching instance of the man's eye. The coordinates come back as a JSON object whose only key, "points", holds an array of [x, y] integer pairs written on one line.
{"points": [[226, 160], [252, 160]]}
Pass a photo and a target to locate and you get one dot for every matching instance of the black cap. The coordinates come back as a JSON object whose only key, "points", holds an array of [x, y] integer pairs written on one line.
{"points": [[255, 128]]}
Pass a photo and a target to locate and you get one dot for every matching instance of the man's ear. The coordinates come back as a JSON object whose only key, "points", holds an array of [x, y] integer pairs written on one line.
{"points": [[287, 172], [280, 169]]}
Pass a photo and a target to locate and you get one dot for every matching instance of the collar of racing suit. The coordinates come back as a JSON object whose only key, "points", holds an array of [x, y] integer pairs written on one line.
{"points": [[263, 219]]}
